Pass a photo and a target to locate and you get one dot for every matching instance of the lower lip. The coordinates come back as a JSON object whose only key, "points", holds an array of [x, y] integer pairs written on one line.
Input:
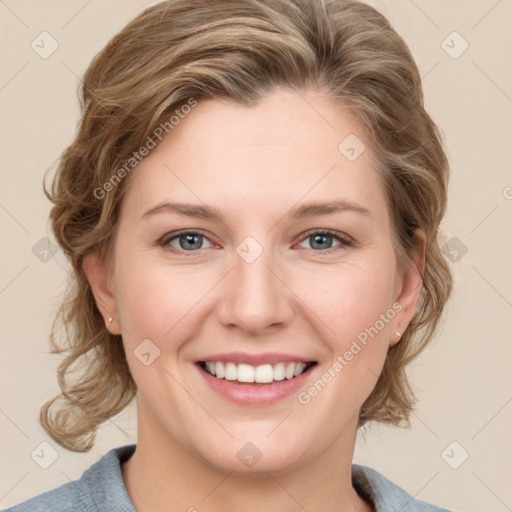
{"points": [[252, 393]]}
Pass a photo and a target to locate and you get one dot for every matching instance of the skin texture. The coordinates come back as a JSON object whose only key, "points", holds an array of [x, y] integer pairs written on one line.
{"points": [[254, 165]]}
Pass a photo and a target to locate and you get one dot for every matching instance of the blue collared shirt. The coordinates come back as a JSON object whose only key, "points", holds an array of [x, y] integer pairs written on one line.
{"points": [[102, 488]]}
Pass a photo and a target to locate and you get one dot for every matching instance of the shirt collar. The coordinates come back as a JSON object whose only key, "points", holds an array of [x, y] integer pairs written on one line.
{"points": [[107, 488]]}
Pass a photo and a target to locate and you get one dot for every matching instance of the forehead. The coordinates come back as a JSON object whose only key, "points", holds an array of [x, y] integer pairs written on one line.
{"points": [[290, 147]]}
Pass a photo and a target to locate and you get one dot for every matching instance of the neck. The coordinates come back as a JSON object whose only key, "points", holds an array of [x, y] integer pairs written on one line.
{"points": [[162, 475]]}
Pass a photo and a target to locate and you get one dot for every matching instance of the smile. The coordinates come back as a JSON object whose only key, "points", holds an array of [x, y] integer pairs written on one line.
{"points": [[262, 374]]}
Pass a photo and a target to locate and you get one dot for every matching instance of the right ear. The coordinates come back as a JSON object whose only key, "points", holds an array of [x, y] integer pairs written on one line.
{"points": [[98, 276]]}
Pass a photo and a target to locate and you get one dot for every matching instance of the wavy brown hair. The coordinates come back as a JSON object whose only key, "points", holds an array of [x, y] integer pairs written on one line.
{"points": [[240, 50]]}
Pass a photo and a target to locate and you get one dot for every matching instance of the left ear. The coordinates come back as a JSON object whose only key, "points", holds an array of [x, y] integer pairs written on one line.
{"points": [[411, 287]]}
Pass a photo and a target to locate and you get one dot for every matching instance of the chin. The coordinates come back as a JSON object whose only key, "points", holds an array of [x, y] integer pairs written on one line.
{"points": [[256, 458]]}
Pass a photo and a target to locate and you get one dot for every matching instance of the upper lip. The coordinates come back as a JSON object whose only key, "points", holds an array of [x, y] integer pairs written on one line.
{"points": [[255, 359]]}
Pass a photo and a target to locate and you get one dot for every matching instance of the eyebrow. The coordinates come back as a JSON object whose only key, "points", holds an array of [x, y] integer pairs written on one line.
{"points": [[306, 210]]}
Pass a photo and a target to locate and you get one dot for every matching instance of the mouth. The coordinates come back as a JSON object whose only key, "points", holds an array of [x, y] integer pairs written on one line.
{"points": [[264, 374]]}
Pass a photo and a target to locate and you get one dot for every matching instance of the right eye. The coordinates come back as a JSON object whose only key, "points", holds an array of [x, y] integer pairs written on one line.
{"points": [[187, 241]]}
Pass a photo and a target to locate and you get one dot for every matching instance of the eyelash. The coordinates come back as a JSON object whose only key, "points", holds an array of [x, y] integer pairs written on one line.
{"points": [[345, 240]]}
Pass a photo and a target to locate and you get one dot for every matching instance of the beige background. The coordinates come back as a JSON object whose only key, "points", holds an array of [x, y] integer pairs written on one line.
{"points": [[463, 379]]}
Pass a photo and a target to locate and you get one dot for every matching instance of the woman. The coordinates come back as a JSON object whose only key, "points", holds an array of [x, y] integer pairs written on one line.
{"points": [[251, 206]]}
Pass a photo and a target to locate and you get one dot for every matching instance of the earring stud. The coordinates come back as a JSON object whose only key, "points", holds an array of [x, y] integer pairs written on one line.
{"points": [[398, 334], [110, 320]]}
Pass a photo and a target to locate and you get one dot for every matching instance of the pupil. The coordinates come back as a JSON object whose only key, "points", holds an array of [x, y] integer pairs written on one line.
{"points": [[319, 238], [189, 239]]}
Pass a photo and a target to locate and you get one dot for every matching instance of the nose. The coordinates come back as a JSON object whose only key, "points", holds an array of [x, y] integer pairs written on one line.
{"points": [[256, 296]]}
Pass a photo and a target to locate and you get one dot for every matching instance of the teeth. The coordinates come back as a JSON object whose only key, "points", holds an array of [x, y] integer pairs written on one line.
{"points": [[279, 371], [299, 369], [289, 371], [219, 370], [262, 374], [245, 373], [231, 371]]}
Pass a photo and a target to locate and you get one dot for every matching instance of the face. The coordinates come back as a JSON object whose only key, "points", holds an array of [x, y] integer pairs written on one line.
{"points": [[272, 281]]}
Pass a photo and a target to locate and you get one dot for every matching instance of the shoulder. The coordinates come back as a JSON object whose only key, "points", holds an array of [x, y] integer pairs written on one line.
{"points": [[101, 487], [385, 495]]}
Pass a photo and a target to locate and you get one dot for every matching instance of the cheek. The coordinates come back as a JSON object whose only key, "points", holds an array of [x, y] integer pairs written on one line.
{"points": [[350, 298], [157, 300], [357, 310]]}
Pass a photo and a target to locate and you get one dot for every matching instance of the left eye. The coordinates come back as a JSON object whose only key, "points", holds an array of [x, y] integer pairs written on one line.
{"points": [[190, 241], [319, 238]]}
